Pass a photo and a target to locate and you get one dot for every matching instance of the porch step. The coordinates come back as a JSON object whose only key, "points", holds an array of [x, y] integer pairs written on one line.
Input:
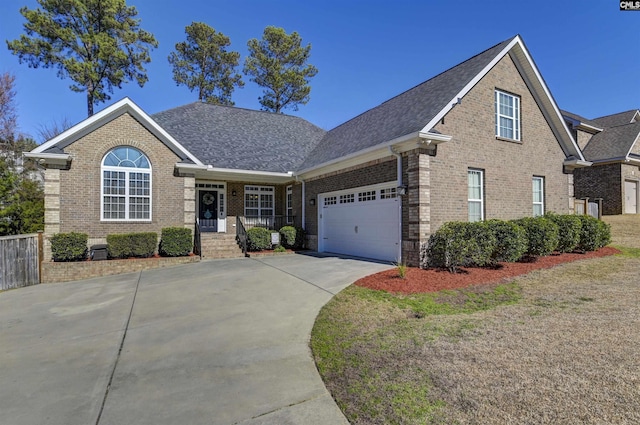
{"points": [[220, 245]]}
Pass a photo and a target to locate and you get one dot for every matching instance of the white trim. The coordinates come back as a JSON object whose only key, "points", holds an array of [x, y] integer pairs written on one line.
{"points": [[515, 119], [269, 190], [93, 122], [633, 144], [221, 213], [50, 158]]}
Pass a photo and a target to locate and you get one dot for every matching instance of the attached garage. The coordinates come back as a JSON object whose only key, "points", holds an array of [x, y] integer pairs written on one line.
{"points": [[363, 222]]}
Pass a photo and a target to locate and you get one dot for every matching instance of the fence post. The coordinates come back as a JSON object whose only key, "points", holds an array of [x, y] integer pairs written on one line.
{"points": [[40, 254]]}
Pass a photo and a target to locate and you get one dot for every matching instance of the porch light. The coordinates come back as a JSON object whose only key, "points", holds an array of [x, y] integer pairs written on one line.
{"points": [[234, 193], [312, 201], [402, 190]]}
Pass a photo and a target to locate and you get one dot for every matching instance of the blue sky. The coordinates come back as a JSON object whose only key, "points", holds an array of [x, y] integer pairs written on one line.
{"points": [[366, 51]]}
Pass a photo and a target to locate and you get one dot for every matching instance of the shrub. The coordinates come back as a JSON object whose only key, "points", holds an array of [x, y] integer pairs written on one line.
{"points": [[569, 226], [132, 245], [594, 233], [258, 238], [511, 240], [288, 235], [542, 235], [280, 248], [175, 242], [458, 244], [69, 246]]}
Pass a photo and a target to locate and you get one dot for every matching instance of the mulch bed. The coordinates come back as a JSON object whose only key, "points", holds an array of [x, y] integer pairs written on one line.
{"points": [[418, 280]]}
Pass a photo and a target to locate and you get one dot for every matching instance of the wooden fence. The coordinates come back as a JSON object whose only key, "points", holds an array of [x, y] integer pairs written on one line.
{"points": [[20, 260]]}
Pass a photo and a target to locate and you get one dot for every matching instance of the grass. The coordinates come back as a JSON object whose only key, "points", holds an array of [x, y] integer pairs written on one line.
{"points": [[554, 346]]}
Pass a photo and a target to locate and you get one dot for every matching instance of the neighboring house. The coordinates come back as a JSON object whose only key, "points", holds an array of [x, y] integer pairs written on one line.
{"points": [[484, 139], [611, 144]]}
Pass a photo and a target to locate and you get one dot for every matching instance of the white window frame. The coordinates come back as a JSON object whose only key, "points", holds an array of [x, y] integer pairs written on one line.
{"points": [[475, 201], [127, 171], [260, 192], [514, 117], [289, 204], [540, 203]]}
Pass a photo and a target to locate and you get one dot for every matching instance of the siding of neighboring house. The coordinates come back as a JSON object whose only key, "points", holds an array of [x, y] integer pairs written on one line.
{"points": [[77, 208], [602, 181], [508, 166]]}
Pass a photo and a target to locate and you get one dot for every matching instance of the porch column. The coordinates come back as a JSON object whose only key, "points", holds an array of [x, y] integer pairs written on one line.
{"points": [[51, 209], [417, 228], [189, 202]]}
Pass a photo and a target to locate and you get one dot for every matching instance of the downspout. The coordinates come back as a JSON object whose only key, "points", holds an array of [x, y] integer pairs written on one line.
{"points": [[399, 185]]}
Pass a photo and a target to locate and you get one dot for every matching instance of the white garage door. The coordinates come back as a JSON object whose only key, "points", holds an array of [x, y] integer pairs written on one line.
{"points": [[364, 222]]}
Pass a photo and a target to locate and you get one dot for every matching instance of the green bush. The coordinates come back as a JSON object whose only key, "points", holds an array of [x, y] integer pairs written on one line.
{"points": [[132, 244], [542, 235], [175, 242], [569, 227], [458, 244], [280, 248], [69, 246], [511, 241], [258, 238], [594, 233], [288, 236]]}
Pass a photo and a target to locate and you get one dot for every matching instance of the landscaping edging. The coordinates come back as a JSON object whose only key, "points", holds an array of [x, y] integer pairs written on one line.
{"points": [[54, 272]]}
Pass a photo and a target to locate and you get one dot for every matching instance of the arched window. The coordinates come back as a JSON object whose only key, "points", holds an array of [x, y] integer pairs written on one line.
{"points": [[126, 185]]}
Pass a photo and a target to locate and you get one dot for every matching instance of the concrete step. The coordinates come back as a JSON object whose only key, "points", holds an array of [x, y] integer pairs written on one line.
{"points": [[220, 245]]}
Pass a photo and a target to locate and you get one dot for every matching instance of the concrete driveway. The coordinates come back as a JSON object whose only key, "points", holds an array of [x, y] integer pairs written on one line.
{"points": [[218, 342]]}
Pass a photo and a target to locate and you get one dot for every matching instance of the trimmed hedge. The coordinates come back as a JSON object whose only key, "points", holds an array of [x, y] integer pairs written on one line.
{"points": [[292, 237], [594, 233], [132, 245], [542, 235], [175, 242], [511, 241], [569, 227], [458, 244], [258, 238], [288, 236], [69, 246]]}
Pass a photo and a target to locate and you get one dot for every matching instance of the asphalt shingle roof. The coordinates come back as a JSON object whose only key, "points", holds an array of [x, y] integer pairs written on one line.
{"points": [[581, 119], [612, 142], [237, 138], [406, 113], [614, 120]]}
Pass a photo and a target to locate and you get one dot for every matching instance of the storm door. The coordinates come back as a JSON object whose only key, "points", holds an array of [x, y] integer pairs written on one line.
{"points": [[208, 210]]}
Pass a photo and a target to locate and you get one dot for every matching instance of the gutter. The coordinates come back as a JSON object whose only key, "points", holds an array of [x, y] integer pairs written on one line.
{"points": [[56, 159], [400, 187]]}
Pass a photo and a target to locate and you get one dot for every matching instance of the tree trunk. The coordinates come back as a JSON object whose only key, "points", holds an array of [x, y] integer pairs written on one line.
{"points": [[89, 102]]}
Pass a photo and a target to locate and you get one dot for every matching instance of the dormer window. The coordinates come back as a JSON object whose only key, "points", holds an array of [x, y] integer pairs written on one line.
{"points": [[507, 108]]}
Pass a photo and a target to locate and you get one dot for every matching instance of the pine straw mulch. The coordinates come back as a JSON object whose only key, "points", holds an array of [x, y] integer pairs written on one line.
{"points": [[432, 280]]}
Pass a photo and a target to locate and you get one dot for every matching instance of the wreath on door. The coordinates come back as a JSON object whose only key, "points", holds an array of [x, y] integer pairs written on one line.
{"points": [[208, 199]]}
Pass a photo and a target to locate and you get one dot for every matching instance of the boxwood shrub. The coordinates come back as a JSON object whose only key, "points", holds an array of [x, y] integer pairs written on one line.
{"points": [[69, 246], [175, 242], [258, 238], [511, 241], [569, 227], [594, 233], [288, 236], [542, 235], [458, 244], [132, 244]]}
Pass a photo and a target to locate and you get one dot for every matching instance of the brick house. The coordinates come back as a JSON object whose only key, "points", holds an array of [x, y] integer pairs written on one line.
{"points": [[484, 139], [611, 144]]}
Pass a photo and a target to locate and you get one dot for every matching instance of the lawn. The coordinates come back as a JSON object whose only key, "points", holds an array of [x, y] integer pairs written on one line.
{"points": [[555, 346]]}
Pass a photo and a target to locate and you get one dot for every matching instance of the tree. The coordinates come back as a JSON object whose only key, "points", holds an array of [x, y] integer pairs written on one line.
{"points": [[55, 127], [278, 63], [98, 44], [202, 62], [21, 193]]}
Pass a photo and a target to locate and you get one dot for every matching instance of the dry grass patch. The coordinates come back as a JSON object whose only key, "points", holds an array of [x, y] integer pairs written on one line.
{"points": [[562, 349]]}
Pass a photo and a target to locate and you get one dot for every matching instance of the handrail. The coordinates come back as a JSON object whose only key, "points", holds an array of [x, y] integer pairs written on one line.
{"points": [[241, 235], [271, 222], [197, 242]]}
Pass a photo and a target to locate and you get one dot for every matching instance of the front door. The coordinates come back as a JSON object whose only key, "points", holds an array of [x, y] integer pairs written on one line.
{"points": [[208, 210]]}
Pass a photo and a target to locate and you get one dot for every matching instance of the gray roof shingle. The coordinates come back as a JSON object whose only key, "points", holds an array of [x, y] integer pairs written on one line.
{"points": [[406, 113], [614, 120], [580, 119], [237, 138], [613, 142]]}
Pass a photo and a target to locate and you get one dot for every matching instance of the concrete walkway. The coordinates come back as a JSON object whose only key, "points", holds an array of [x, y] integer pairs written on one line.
{"points": [[218, 342]]}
